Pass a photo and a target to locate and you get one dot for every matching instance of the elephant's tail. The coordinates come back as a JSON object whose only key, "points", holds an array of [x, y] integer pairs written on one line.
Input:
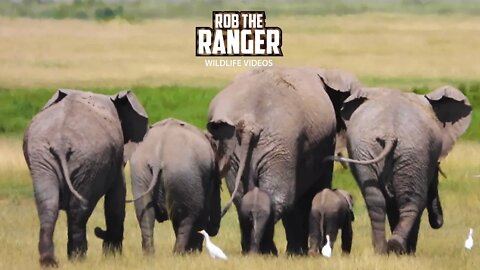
{"points": [[243, 160], [156, 172], [66, 176], [323, 228], [389, 145]]}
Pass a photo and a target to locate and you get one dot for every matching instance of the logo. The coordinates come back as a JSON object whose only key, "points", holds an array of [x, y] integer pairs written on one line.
{"points": [[238, 33]]}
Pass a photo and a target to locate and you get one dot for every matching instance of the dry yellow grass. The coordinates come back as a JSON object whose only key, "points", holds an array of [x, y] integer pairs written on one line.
{"points": [[69, 53], [437, 249]]}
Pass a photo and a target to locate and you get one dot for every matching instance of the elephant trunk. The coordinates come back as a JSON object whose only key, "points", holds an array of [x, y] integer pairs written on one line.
{"points": [[155, 175], [243, 157], [389, 145]]}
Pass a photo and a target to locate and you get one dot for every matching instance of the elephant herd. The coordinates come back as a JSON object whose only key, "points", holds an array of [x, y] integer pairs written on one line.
{"points": [[271, 134]]}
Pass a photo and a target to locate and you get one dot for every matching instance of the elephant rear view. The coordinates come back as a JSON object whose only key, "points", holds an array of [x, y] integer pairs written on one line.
{"points": [[332, 210], [174, 176], [273, 127], [396, 140], [74, 149]]}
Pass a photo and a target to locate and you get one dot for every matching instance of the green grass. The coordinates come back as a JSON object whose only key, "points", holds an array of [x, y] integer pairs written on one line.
{"points": [[190, 104], [17, 107]]}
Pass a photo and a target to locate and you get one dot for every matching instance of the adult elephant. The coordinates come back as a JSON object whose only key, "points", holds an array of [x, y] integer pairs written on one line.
{"points": [[395, 140], [273, 127], [74, 149]]}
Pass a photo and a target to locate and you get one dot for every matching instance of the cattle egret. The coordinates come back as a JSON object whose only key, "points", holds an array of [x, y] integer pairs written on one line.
{"points": [[327, 249], [214, 251], [469, 241]]}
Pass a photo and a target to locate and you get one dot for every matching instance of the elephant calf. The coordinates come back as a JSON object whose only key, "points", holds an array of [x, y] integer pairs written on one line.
{"points": [[174, 175], [257, 217], [331, 210]]}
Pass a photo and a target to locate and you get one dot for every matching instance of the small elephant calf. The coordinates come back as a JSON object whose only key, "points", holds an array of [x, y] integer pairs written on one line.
{"points": [[331, 210], [174, 176], [257, 222]]}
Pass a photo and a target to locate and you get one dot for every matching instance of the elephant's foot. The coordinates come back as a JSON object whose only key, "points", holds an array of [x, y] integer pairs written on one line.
{"points": [[380, 247], [396, 245], [148, 249], [312, 252], [76, 255], [48, 261], [112, 248], [271, 251], [296, 251]]}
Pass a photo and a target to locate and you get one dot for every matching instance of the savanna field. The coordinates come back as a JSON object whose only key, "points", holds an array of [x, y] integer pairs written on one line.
{"points": [[155, 58]]}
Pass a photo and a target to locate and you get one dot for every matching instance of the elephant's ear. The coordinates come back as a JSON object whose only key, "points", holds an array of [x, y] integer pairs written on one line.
{"points": [[348, 198], [221, 128], [351, 104], [223, 141], [228, 135], [132, 115], [338, 85], [57, 97], [454, 112]]}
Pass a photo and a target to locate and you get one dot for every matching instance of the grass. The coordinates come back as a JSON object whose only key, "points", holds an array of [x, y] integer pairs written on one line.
{"points": [[17, 106], [437, 249], [395, 49]]}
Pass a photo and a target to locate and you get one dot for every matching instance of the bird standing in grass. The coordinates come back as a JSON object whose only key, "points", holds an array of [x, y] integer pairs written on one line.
{"points": [[469, 241], [327, 249], [214, 251]]}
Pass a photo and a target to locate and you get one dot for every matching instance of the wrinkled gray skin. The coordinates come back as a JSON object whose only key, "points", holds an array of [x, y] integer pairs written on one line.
{"points": [[256, 213], [74, 149], [332, 210], [272, 128], [404, 135], [174, 176]]}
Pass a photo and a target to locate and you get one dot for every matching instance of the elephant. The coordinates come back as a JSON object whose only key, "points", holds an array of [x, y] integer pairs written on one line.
{"points": [[395, 141], [256, 211], [74, 148], [174, 176], [272, 128], [331, 210]]}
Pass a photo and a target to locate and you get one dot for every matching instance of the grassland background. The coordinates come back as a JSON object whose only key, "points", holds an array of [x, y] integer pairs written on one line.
{"points": [[156, 59]]}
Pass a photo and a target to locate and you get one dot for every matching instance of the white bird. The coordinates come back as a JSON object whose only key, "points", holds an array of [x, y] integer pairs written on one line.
{"points": [[327, 249], [214, 251], [469, 241]]}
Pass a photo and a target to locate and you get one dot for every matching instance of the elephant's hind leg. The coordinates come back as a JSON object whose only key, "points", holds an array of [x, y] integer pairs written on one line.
{"points": [[409, 214], [413, 237], [314, 235], [77, 229], [183, 227], [47, 201], [196, 240], [347, 236], [296, 227], [368, 182]]}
